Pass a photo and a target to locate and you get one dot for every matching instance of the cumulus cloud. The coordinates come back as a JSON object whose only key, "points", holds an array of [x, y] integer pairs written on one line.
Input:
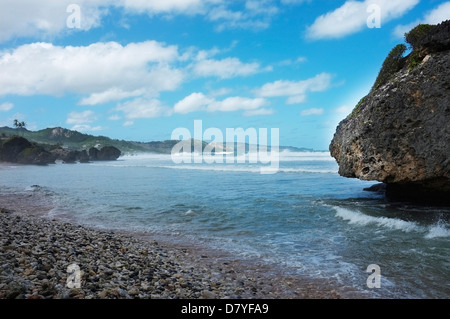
{"points": [[113, 94], [295, 91], [233, 104], [143, 108], [352, 17], [48, 18], [81, 121], [5, 107], [192, 103], [200, 102], [435, 16], [44, 18], [105, 71]]}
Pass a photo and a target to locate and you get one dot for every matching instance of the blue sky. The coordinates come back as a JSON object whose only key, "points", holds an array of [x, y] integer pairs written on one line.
{"points": [[136, 70]]}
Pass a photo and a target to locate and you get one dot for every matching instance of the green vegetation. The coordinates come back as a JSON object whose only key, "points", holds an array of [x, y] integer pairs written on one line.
{"points": [[393, 63], [416, 35], [357, 109], [52, 138], [414, 60], [414, 38], [19, 125]]}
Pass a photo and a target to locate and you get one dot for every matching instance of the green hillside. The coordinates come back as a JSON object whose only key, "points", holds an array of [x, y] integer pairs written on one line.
{"points": [[78, 141]]}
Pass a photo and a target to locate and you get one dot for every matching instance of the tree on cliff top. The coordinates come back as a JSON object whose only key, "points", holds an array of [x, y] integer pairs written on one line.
{"points": [[393, 63], [416, 35], [19, 125]]}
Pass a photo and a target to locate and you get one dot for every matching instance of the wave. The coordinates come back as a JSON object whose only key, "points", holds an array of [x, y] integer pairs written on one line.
{"points": [[252, 169], [358, 218], [438, 231], [226, 168], [355, 217], [284, 155]]}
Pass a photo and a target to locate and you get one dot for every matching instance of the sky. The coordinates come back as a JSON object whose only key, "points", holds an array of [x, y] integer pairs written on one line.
{"points": [[137, 70]]}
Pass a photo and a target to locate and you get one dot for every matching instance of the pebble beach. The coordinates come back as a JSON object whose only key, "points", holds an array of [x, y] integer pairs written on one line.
{"points": [[36, 251]]}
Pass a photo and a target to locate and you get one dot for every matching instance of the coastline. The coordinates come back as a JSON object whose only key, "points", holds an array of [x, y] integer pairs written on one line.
{"points": [[37, 250]]}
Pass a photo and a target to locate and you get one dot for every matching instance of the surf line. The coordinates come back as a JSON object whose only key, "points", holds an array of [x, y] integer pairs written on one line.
{"points": [[236, 149]]}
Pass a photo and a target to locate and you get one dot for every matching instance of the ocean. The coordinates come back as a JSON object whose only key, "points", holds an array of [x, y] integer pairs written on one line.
{"points": [[305, 219]]}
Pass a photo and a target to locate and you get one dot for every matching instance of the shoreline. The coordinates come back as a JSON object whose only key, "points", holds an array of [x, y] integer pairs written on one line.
{"points": [[36, 251]]}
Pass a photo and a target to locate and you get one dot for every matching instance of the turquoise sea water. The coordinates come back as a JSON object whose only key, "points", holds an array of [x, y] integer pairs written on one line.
{"points": [[306, 218]]}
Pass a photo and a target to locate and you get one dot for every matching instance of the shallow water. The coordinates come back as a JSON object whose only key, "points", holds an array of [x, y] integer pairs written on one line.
{"points": [[306, 218]]}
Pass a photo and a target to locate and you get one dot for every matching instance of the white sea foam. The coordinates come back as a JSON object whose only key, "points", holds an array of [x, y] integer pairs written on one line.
{"points": [[358, 218], [438, 231], [189, 212], [284, 155], [250, 169]]}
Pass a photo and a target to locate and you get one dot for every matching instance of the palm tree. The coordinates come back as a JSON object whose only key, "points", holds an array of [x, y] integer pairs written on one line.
{"points": [[19, 125]]}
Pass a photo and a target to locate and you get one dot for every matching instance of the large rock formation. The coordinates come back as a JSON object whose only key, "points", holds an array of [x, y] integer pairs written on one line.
{"points": [[107, 153], [400, 133], [19, 150]]}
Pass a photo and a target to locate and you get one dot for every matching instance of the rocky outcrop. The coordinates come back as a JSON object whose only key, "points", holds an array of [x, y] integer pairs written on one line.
{"points": [[399, 134], [19, 150], [71, 156], [107, 153]]}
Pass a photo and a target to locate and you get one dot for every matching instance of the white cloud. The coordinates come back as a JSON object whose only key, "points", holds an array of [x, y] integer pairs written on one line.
{"points": [[113, 94], [313, 111], [81, 121], [48, 18], [114, 117], [220, 92], [435, 16], [233, 104], [438, 15], [226, 68], [86, 128], [352, 17], [79, 118], [295, 91], [105, 71], [151, 7], [289, 62], [200, 102], [7, 106], [44, 18], [192, 103], [142, 108], [258, 112], [256, 15]]}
